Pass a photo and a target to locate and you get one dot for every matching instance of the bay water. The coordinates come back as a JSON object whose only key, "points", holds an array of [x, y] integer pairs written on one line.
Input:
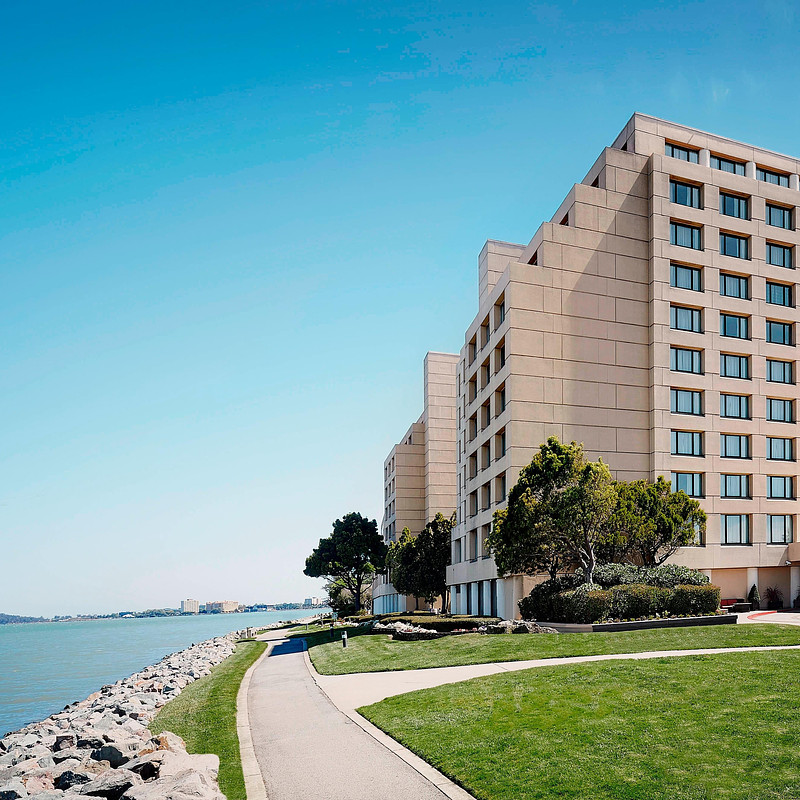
{"points": [[46, 665]]}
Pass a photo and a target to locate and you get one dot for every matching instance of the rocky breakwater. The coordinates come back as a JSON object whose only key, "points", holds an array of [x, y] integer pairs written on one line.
{"points": [[101, 747]]}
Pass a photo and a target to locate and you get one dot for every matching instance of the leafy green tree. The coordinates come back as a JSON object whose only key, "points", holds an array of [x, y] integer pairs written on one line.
{"points": [[559, 512], [350, 556], [341, 600], [653, 521]]}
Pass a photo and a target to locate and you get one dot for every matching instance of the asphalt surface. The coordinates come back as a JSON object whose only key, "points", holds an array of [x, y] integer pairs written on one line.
{"points": [[309, 750]]}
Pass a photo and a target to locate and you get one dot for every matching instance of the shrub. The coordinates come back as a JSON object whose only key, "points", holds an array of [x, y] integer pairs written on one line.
{"points": [[690, 601], [774, 597], [608, 575], [636, 600], [754, 598], [444, 624], [670, 576], [541, 603], [587, 603]]}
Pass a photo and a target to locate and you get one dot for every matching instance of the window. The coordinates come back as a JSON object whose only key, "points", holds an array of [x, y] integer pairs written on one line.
{"points": [[779, 410], [734, 445], [735, 406], [735, 486], [500, 447], [780, 371], [733, 366], [779, 332], [780, 487], [768, 176], [734, 246], [690, 483], [734, 286], [779, 255], [684, 194], [684, 235], [685, 319], [734, 326], [683, 153], [779, 217], [780, 528], [731, 205], [685, 401], [779, 294], [686, 443], [779, 449], [682, 359], [682, 277], [727, 165], [457, 551], [734, 529]]}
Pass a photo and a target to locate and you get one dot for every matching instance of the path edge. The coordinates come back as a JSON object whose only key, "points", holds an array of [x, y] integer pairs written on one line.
{"points": [[446, 786], [253, 779]]}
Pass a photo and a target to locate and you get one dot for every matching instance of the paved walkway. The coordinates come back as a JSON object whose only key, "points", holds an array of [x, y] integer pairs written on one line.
{"points": [[306, 748]]}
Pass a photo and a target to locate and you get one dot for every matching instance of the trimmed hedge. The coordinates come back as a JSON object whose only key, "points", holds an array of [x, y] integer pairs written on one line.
{"points": [[690, 601], [667, 576], [637, 600]]}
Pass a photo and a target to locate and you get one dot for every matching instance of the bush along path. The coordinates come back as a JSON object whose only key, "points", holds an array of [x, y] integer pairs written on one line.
{"points": [[102, 747]]}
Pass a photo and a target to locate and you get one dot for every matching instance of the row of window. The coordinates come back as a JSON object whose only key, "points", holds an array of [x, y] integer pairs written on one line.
{"points": [[683, 234], [735, 528], [690, 401], [726, 164], [691, 443], [734, 326], [682, 276], [779, 487], [731, 365], [730, 205]]}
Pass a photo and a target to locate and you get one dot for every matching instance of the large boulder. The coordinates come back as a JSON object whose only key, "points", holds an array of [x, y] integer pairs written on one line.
{"points": [[111, 784], [13, 790], [117, 753], [65, 741], [188, 785], [70, 778]]}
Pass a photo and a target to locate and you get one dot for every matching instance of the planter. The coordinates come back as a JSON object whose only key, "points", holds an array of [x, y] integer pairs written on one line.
{"points": [[643, 624]]}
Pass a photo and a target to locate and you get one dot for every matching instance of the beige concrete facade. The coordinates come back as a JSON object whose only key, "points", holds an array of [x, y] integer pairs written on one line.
{"points": [[587, 333], [419, 473]]}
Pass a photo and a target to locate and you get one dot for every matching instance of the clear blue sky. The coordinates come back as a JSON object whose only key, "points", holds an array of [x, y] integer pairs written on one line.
{"points": [[229, 232]]}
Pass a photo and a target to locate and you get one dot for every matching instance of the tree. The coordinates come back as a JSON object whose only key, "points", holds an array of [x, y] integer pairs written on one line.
{"points": [[419, 564], [559, 512], [653, 521], [350, 556], [341, 600]]}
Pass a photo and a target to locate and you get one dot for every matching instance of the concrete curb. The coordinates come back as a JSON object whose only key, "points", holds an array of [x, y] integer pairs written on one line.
{"points": [[253, 779], [439, 780]]}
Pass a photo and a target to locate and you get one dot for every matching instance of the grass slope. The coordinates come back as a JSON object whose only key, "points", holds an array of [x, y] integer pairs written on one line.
{"points": [[373, 653], [204, 716], [689, 728]]}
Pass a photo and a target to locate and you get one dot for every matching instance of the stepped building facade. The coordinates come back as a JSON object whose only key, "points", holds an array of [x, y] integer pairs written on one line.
{"points": [[653, 319]]}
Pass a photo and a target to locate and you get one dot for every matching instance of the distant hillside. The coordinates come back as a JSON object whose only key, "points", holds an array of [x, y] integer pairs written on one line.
{"points": [[9, 619]]}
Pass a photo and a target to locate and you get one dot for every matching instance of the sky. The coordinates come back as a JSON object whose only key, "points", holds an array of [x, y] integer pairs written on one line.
{"points": [[229, 233]]}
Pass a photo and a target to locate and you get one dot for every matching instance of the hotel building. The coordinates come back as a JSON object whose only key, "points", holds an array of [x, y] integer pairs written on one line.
{"points": [[190, 606], [419, 474], [653, 319]]}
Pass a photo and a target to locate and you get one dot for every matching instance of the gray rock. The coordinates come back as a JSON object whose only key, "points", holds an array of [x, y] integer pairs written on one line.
{"points": [[13, 790], [89, 741], [67, 755], [117, 753], [148, 766], [112, 784], [70, 778], [187, 785], [65, 741]]}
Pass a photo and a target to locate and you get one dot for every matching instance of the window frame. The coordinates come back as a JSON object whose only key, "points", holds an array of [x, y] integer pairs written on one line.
{"points": [[697, 443], [786, 329], [695, 275], [738, 204], [723, 162], [780, 480], [696, 235], [788, 366], [784, 403], [787, 442], [744, 527], [742, 245], [693, 193], [696, 479], [770, 534], [726, 278], [678, 312], [788, 290], [765, 175], [697, 358], [744, 399], [786, 251], [695, 401], [787, 213], [743, 360], [735, 480], [742, 324], [723, 445], [670, 148]]}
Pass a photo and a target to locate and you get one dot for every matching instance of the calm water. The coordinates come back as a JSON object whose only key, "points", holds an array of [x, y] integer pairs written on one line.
{"points": [[44, 666]]}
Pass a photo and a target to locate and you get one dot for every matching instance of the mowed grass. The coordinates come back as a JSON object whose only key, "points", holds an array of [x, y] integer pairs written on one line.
{"points": [[204, 716], [376, 653], [683, 728]]}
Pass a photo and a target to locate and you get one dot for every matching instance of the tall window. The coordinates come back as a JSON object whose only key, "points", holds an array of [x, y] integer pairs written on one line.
{"points": [[780, 371], [734, 326], [683, 277], [779, 217], [769, 176], [731, 205], [779, 410], [734, 445], [779, 449], [684, 235], [685, 319], [779, 255], [727, 165], [780, 487], [733, 366], [779, 332], [681, 359], [779, 294], [734, 528], [683, 153], [684, 194], [734, 286], [780, 528], [735, 486], [686, 443], [686, 401], [734, 246], [735, 406], [690, 483]]}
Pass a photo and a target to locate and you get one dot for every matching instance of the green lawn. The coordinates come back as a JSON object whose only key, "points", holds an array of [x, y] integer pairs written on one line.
{"points": [[690, 728], [204, 716], [374, 653]]}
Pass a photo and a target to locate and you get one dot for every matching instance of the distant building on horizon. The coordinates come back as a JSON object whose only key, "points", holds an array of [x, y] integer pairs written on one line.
{"points": [[312, 601], [222, 606], [190, 606]]}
